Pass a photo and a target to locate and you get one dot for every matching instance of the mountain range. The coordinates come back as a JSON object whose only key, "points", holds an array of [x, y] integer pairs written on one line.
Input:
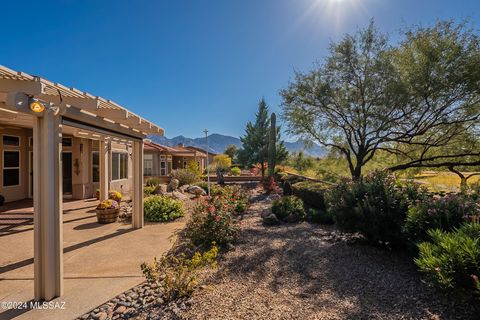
{"points": [[218, 142]]}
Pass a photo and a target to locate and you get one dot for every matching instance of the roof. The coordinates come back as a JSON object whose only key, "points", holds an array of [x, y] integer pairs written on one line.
{"points": [[176, 151], [60, 95], [202, 150]]}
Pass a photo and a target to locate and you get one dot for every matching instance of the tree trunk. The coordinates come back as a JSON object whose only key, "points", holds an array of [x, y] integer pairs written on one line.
{"points": [[262, 166]]}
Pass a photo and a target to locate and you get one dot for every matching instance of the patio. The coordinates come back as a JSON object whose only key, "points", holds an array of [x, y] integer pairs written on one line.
{"points": [[99, 260]]}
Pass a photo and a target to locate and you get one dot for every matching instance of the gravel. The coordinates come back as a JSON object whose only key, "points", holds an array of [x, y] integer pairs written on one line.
{"points": [[305, 271]]}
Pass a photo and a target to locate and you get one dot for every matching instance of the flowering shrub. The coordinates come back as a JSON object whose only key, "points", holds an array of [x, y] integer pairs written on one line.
{"points": [[162, 208], [184, 176], [177, 276], [375, 206], [115, 195], [288, 206], [235, 171], [445, 213], [108, 204], [451, 260], [213, 218]]}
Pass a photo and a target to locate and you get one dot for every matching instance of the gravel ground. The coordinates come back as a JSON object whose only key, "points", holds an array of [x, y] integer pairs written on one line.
{"points": [[304, 271]]}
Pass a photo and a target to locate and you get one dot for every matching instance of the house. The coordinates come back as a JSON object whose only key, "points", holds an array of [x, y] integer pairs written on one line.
{"points": [[211, 155], [160, 160], [59, 142]]}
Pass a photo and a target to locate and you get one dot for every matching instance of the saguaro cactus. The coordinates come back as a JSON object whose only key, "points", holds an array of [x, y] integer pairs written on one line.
{"points": [[272, 145]]}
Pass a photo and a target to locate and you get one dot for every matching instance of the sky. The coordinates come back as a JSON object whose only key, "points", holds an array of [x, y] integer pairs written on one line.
{"points": [[196, 64]]}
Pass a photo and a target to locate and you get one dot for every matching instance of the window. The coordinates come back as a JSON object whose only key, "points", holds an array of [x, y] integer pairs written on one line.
{"points": [[11, 141], [119, 165], [11, 168], [95, 166], [148, 165], [163, 168], [67, 142]]}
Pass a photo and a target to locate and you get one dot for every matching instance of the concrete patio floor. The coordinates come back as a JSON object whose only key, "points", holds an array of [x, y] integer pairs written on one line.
{"points": [[100, 261]]}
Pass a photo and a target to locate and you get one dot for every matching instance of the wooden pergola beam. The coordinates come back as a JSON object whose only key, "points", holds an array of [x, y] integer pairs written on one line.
{"points": [[29, 87], [85, 103]]}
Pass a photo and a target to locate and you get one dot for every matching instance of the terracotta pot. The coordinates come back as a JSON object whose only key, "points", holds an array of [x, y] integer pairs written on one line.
{"points": [[107, 215]]}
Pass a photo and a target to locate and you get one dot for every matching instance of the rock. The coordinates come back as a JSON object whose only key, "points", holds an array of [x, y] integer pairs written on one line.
{"points": [[173, 185], [120, 309], [266, 212], [179, 195], [196, 190], [291, 218], [271, 220], [273, 197], [160, 189], [101, 316], [184, 188], [159, 301]]}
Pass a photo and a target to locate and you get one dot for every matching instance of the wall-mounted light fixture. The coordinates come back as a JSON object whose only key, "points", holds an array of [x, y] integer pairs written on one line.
{"points": [[36, 106]]}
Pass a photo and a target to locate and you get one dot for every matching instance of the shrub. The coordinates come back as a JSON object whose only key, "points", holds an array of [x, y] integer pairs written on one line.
{"points": [[444, 213], [115, 195], [184, 176], [222, 162], [162, 208], [320, 216], [213, 218], [374, 206], [452, 259], [312, 193], [287, 188], [177, 276], [194, 168], [236, 171], [148, 190], [152, 182], [288, 206]]}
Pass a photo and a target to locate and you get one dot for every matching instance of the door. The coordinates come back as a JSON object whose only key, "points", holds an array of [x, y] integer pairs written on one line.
{"points": [[67, 173]]}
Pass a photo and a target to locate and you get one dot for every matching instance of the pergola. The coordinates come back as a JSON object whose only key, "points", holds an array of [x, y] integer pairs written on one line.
{"points": [[37, 103]]}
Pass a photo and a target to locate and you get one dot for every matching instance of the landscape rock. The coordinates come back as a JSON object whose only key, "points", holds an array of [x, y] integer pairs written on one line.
{"points": [[161, 189], [173, 185], [196, 190], [271, 220]]}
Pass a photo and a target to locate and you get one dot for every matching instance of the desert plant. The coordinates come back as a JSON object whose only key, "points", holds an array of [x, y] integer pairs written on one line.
{"points": [[320, 216], [312, 193], [288, 206], [451, 260], [445, 213], [184, 176], [152, 182], [177, 276], [162, 208], [235, 171], [194, 168], [148, 190]]}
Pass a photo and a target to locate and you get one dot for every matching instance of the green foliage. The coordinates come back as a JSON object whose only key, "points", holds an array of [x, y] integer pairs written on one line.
{"points": [[451, 260], [177, 276], [320, 216], [300, 162], [312, 193], [445, 213], [236, 171], [222, 162], [162, 208], [256, 141], [232, 151], [148, 190], [184, 176], [288, 205], [287, 188], [272, 145], [374, 206], [213, 219], [152, 182], [194, 168]]}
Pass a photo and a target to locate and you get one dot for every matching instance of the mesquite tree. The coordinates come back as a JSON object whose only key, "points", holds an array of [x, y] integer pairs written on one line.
{"points": [[411, 100]]}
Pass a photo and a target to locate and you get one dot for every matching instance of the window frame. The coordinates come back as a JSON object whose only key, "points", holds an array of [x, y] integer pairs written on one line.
{"points": [[12, 145], [12, 168], [149, 160], [119, 152], [93, 180]]}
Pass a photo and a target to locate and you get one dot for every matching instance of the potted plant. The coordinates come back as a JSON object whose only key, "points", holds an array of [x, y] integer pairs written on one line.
{"points": [[107, 211], [2, 200], [115, 195]]}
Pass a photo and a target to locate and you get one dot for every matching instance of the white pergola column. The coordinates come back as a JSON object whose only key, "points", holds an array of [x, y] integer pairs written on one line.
{"points": [[103, 152], [137, 184], [48, 230]]}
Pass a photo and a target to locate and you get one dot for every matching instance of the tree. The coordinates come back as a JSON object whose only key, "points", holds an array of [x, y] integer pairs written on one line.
{"points": [[231, 150], [256, 140], [411, 100]]}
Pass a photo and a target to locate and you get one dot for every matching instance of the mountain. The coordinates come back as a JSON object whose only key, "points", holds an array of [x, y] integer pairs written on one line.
{"points": [[218, 142]]}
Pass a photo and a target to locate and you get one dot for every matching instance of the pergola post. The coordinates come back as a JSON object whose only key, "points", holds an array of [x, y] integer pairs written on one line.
{"points": [[48, 231], [103, 152], [137, 188]]}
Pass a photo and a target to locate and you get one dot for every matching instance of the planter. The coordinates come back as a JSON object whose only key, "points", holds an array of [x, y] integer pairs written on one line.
{"points": [[107, 215]]}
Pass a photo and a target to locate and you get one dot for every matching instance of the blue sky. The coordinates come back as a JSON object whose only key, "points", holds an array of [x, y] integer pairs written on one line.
{"points": [[190, 65]]}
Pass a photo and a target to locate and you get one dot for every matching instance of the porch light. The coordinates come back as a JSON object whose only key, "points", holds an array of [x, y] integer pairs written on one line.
{"points": [[37, 107]]}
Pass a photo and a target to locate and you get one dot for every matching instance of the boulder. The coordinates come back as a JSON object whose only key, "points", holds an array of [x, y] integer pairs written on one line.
{"points": [[196, 190], [291, 218], [173, 185], [272, 197], [161, 189], [184, 188], [179, 196]]}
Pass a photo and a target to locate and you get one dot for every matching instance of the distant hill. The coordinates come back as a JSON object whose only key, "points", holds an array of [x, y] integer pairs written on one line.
{"points": [[218, 142]]}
